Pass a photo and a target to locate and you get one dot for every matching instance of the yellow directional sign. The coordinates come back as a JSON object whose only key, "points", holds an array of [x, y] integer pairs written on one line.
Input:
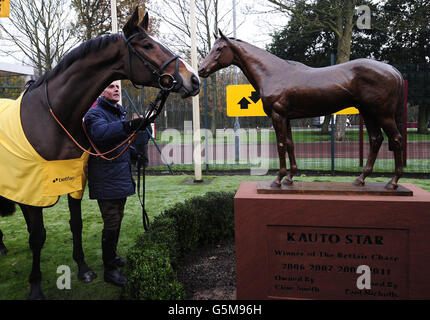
{"points": [[244, 101], [350, 110], [4, 8]]}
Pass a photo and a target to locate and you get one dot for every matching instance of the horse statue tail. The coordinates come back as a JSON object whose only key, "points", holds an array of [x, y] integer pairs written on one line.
{"points": [[7, 207], [400, 110]]}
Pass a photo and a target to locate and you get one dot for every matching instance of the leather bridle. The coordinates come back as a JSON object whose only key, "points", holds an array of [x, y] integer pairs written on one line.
{"points": [[166, 81]]}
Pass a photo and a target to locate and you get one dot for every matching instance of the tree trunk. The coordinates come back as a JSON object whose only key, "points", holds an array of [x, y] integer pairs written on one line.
{"points": [[344, 26], [325, 125]]}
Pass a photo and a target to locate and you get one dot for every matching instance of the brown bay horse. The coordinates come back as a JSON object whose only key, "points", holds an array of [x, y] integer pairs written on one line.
{"points": [[71, 88], [292, 90]]}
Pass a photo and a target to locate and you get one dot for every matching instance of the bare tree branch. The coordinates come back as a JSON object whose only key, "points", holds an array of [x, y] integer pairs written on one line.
{"points": [[38, 31]]}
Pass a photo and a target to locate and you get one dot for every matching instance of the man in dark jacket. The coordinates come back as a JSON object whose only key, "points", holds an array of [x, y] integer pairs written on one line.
{"points": [[111, 181]]}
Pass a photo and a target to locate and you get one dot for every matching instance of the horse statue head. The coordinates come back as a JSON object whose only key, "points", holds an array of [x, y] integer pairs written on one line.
{"points": [[220, 56]]}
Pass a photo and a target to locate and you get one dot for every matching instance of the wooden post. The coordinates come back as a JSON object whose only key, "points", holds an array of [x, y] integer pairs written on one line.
{"points": [[196, 108], [115, 30]]}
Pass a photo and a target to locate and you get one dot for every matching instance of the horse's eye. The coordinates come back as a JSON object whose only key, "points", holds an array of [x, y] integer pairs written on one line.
{"points": [[147, 46]]}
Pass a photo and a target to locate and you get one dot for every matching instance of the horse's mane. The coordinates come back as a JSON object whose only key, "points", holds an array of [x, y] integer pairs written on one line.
{"points": [[253, 46], [235, 39], [77, 53]]}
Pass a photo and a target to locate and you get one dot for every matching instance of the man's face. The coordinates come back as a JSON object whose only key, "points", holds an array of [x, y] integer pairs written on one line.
{"points": [[111, 93]]}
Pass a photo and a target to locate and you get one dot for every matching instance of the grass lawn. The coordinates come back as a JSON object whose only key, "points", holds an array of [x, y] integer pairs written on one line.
{"points": [[162, 192]]}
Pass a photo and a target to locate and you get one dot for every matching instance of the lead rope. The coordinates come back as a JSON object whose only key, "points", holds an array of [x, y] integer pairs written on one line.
{"points": [[145, 218], [150, 116], [98, 153]]}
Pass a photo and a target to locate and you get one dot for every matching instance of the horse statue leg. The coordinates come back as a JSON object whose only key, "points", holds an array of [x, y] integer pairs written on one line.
{"points": [[34, 219], [395, 144], [280, 125], [85, 274], [291, 156], [375, 141]]}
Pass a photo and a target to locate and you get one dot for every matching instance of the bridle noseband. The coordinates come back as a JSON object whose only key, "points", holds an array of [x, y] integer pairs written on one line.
{"points": [[166, 81]]}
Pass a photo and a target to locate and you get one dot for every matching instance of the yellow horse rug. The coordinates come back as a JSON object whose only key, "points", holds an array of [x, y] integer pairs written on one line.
{"points": [[27, 178]]}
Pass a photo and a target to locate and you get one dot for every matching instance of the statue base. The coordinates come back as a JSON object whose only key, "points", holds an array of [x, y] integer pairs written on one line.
{"points": [[310, 246], [334, 188]]}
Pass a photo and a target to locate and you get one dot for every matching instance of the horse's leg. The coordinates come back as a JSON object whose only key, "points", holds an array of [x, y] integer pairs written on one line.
{"points": [[280, 125], [34, 219], [7, 207], [291, 156], [3, 249], [395, 144], [85, 273], [375, 141]]}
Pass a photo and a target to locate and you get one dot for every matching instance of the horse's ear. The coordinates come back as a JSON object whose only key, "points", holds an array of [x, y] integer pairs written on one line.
{"points": [[131, 24], [216, 37], [221, 34], [145, 22]]}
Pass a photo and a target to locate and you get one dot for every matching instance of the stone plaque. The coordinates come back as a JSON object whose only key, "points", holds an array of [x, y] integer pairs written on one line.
{"points": [[310, 246], [313, 262]]}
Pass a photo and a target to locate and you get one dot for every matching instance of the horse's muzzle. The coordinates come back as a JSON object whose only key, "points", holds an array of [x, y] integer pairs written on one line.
{"points": [[203, 72]]}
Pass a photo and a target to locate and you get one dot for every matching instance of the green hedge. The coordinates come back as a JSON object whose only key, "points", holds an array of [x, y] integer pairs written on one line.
{"points": [[184, 227]]}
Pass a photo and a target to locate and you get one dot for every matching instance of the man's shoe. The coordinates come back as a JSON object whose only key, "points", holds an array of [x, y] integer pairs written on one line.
{"points": [[120, 262], [115, 277]]}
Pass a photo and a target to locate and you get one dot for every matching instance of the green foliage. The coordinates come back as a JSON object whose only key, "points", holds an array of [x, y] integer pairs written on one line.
{"points": [[150, 275], [198, 221], [304, 42], [164, 234], [203, 220]]}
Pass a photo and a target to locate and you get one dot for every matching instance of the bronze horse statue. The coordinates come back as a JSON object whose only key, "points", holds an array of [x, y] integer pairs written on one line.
{"points": [[292, 90], [71, 88]]}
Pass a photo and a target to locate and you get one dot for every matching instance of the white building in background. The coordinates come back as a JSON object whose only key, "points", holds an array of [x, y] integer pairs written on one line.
{"points": [[9, 69]]}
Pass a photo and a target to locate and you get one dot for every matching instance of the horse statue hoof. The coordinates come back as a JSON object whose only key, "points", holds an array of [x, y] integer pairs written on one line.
{"points": [[275, 184], [287, 182], [391, 186], [358, 183], [87, 277]]}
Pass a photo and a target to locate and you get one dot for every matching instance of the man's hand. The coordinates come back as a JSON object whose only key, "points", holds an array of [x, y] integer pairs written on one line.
{"points": [[135, 124]]}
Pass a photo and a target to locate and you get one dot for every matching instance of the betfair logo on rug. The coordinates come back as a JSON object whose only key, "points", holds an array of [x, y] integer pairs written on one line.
{"points": [[4, 8], [63, 179], [244, 101]]}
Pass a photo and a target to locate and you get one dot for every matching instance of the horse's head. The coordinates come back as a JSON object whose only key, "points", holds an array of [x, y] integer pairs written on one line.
{"points": [[163, 69], [220, 56]]}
